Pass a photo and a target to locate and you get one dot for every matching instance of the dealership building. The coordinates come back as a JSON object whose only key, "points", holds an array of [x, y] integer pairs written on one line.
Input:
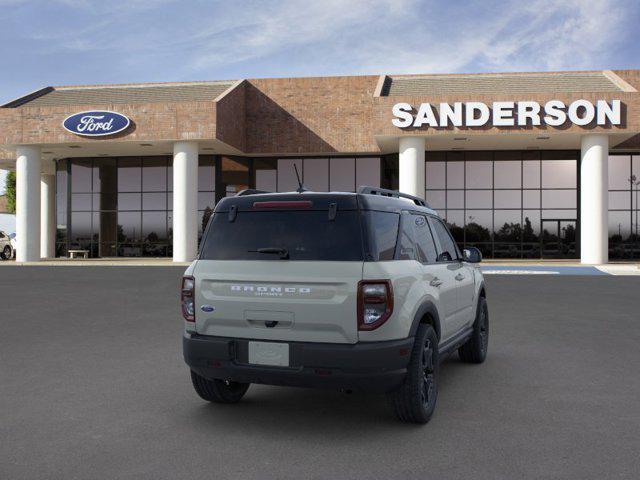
{"points": [[521, 165]]}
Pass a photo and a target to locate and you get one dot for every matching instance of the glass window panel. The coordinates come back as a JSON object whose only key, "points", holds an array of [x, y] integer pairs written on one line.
{"points": [[620, 224], [507, 225], [507, 174], [567, 214], [342, 175], [129, 201], [206, 173], [619, 172], [80, 202], [81, 175], [636, 166], [154, 201], [287, 181], [368, 171], [559, 199], [61, 193], [478, 199], [478, 174], [316, 174], [170, 177], [531, 198], [455, 199], [455, 221], [507, 199], [105, 201], [559, 174], [435, 173], [266, 174], [531, 174], [436, 198], [207, 199], [620, 200], [455, 174], [129, 174], [479, 226], [80, 230], [531, 225], [154, 174], [129, 226], [154, 227]]}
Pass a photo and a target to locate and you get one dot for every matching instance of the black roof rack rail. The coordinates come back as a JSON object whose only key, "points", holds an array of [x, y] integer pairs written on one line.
{"points": [[366, 190], [250, 191]]}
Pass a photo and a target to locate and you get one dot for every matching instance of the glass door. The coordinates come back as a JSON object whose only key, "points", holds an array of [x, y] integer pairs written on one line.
{"points": [[558, 238]]}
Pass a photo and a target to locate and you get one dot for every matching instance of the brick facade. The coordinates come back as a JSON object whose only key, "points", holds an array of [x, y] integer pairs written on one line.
{"points": [[321, 115]]}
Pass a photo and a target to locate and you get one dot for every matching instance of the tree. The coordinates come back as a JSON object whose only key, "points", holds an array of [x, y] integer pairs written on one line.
{"points": [[206, 215], [10, 187]]}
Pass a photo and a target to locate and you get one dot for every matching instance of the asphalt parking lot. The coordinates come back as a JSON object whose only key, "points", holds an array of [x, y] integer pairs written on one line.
{"points": [[93, 387]]}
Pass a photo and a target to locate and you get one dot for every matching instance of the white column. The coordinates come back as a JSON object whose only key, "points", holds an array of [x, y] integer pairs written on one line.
{"points": [[28, 204], [185, 201], [411, 165], [594, 199], [48, 211]]}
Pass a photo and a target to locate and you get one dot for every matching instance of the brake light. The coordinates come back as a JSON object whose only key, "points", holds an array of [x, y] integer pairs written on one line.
{"points": [[295, 204], [187, 298], [375, 303]]}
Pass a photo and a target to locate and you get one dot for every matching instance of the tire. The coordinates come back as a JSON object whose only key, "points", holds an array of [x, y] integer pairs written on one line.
{"points": [[415, 400], [7, 253], [218, 391], [475, 350]]}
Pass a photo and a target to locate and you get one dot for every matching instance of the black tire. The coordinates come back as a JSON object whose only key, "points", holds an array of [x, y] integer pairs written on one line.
{"points": [[415, 400], [475, 350], [7, 253], [218, 391]]}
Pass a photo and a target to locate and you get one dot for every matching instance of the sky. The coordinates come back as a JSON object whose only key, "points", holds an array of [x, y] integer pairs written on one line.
{"points": [[71, 42]]}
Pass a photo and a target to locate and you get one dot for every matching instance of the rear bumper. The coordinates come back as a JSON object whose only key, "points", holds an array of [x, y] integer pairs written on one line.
{"points": [[370, 367]]}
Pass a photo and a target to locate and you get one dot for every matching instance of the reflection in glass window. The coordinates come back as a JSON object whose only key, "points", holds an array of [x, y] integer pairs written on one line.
{"points": [[479, 174], [435, 173], [559, 173], [316, 174], [559, 199], [507, 199], [129, 174], [368, 171], [531, 174], [455, 174], [342, 175], [479, 199], [507, 174], [287, 181], [81, 175]]}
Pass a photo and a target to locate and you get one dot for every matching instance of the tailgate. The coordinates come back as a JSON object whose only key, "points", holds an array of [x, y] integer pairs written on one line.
{"points": [[304, 301]]}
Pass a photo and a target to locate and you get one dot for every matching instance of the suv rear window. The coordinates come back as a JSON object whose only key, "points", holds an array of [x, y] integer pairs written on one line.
{"points": [[304, 235]]}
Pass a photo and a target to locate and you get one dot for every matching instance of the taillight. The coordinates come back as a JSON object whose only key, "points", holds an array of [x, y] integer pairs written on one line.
{"points": [[375, 303], [187, 299]]}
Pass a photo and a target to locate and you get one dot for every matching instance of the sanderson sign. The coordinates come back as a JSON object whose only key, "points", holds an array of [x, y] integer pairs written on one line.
{"points": [[507, 114], [96, 123]]}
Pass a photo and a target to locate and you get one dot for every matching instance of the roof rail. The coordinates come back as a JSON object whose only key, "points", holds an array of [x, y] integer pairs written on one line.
{"points": [[250, 191], [366, 190]]}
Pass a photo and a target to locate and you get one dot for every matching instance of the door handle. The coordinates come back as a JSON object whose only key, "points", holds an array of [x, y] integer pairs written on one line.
{"points": [[459, 277], [436, 282]]}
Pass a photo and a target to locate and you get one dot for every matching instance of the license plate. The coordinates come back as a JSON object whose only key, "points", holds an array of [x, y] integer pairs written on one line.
{"points": [[268, 353]]}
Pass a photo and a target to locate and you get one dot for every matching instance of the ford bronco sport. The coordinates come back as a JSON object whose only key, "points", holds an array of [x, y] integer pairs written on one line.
{"points": [[358, 291]]}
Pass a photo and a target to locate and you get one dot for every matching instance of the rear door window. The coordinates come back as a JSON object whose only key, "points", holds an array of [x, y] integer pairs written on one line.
{"points": [[304, 235], [426, 248]]}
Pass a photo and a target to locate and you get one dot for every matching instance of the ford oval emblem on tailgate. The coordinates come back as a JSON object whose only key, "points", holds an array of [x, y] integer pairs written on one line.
{"points": [[207, 308]]}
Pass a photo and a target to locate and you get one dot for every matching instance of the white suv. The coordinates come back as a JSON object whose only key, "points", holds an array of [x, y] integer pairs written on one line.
{"points": [[353, 291]]}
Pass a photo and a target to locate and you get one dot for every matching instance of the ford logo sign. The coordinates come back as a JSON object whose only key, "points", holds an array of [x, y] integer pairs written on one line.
{"points": [[207, 308], [96, 123]]}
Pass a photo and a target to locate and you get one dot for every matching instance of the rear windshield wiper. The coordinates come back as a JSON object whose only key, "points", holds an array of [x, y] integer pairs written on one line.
{"points": [[283, 252]]}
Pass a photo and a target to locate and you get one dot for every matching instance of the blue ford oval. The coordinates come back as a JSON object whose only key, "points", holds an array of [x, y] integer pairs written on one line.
{"points": [[96, 123], [207, 308]]}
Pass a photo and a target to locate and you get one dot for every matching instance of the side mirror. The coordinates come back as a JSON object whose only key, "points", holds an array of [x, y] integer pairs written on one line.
{"points": [[472, 255]]}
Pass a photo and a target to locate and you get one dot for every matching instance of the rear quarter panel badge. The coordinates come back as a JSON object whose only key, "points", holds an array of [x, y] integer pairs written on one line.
{"points": [[207, 308]]}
